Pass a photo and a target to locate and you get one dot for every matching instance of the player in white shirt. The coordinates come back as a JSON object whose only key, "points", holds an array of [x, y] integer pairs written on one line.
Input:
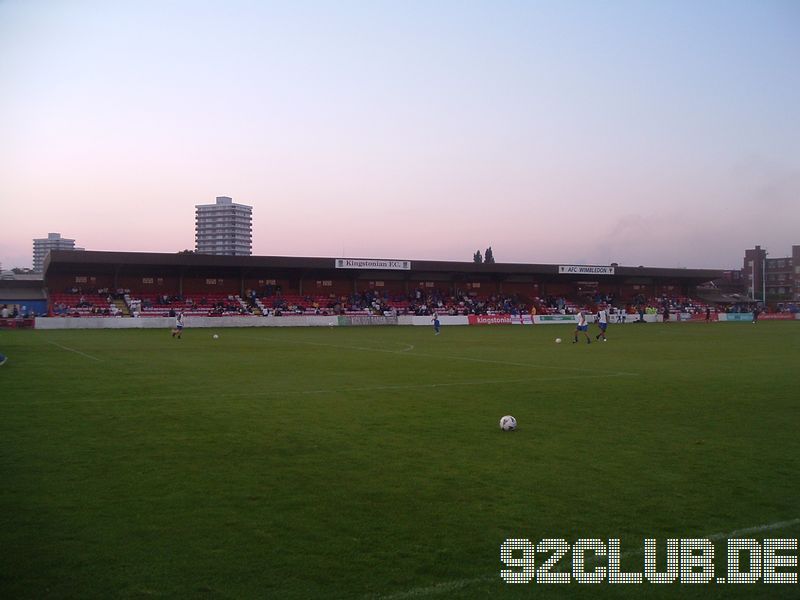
{"points": [[582, 326], [176, 332], [602, 322]]}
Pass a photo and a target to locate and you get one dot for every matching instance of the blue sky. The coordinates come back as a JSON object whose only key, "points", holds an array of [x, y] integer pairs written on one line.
{"points": [[664, 134]]}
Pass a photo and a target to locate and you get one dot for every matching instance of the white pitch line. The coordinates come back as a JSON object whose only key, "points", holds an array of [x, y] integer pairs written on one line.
{"points": [[68, 349], [756, 529], [515, 364], [436, 589], [449, 357], [456, 584]]}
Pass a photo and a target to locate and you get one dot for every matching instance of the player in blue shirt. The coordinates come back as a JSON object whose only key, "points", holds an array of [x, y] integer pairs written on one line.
{"points": [[436, 324]]}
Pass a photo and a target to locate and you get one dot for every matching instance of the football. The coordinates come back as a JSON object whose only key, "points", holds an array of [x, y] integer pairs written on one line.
{"points": [[216, 337], [558, 340], [508, 423]]}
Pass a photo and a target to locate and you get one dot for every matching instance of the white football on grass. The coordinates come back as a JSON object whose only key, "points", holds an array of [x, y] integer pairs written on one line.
{"points": [[508, 423]]}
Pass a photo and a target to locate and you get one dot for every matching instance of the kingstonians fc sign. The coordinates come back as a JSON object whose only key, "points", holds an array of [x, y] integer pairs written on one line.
{"points": [[369, 263], [584, 270]]}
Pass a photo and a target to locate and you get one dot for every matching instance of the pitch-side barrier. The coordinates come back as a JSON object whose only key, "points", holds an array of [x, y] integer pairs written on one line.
{"points": [[348, 321]]}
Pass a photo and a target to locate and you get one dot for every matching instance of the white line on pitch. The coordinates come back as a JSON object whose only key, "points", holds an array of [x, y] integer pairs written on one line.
{"points": [[68, 349], [456, 584], [756, 529], [448, 357]]}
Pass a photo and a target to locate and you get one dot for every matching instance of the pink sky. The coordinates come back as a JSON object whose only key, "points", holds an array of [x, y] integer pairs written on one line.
{"points": [[553, 133]]}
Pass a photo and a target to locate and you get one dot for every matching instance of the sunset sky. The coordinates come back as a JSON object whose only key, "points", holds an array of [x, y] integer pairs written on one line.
{"points": [[638, 132]]}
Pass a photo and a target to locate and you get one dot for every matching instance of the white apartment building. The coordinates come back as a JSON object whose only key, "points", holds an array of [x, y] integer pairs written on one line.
{"points": [[42, 246], [224, 228]]}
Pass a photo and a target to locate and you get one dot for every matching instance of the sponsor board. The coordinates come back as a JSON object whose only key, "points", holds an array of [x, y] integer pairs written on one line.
{"points": [[372, 263], [761, 316], [554, 319], [423, 321], [701, 316], [584, 270], [776, 317], [521, 320], [490, 319], [356, 320], [736, 317]]}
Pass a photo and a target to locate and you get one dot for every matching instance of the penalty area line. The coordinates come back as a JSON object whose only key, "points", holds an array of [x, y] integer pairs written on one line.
{"points": [[408, 351], [436, 589], [68, 349], [756, 529]]}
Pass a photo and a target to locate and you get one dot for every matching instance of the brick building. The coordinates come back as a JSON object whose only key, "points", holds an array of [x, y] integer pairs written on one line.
{"points": [[774, 279]]}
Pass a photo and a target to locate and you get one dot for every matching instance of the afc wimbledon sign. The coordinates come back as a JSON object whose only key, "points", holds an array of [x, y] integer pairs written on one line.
{"points": [[584, 270], [369, 263]]}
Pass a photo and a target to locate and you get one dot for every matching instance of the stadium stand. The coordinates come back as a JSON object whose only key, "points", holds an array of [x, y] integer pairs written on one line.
{"points": [[206, 305], [153, 284], [421, 303], [83, 305]]}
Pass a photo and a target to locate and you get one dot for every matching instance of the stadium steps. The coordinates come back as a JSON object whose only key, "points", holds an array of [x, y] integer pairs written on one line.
{"points": [[123, 307]]}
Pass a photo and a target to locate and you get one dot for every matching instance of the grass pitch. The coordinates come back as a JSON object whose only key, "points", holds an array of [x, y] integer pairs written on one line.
{"points": [[368, 462]]}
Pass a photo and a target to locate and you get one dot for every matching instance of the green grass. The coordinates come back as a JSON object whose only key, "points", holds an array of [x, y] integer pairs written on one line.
{"points": [[367, 462]]}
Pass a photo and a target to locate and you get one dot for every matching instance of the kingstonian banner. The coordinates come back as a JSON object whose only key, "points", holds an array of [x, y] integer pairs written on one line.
{"points": [[500, 320], [584, 270], [490, 319], [371, 263]]}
